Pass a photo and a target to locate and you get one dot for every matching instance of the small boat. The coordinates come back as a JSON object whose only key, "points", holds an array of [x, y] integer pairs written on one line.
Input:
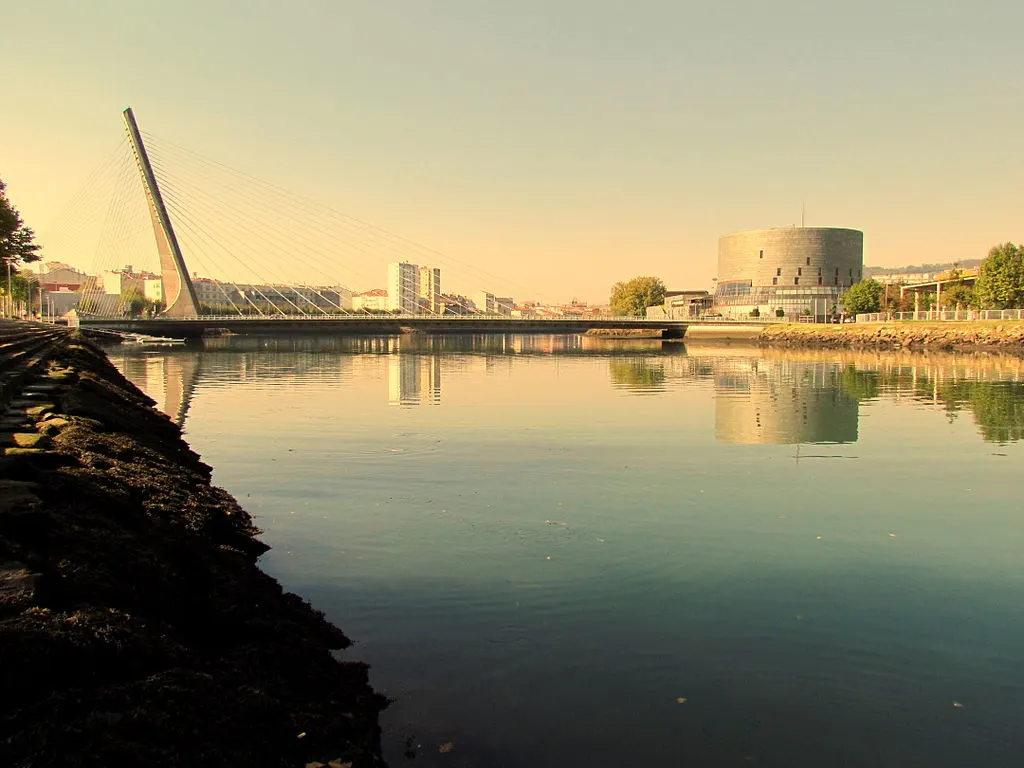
{"points": [[142, 338]]}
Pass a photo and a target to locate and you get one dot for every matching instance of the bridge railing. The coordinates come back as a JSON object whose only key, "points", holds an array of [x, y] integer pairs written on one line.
{"points": [[389, 317], [962, 315]]}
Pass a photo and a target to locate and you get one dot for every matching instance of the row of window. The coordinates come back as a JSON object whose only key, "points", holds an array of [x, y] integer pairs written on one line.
{"points": [[796, 281], [807, 263], [800, 272]]}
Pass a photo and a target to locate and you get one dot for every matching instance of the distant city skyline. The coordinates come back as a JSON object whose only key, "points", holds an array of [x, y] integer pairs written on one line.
{"points": [[565, 145]]}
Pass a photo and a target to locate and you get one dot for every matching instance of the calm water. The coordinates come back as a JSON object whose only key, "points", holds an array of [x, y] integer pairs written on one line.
{"points": [[557, 551]]}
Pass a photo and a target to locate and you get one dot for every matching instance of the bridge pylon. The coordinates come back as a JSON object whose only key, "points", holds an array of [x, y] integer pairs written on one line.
{"points": [[179, 293]]}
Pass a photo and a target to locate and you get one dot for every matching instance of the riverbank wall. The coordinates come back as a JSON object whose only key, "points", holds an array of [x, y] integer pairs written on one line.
{"points": [[1003, 336], [135, 625]]}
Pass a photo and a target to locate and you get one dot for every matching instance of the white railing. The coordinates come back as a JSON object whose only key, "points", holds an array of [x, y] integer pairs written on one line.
{"points": [[943, 316], [387, 316]]}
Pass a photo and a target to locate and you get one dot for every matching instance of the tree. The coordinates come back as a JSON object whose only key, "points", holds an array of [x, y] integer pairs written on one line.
{"points": [[17, 242], [133, 302], [1001, 277], [636, 295], [636, 373], [865, 296], [959, 295]]}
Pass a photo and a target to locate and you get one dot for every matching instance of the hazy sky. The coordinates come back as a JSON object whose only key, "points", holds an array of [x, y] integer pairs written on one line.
{"points": [[564, 144]]}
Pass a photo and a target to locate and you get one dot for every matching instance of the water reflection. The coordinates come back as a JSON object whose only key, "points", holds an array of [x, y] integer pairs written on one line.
{"points": [[759, 396], [407, 376], [782, 402], [170, 379], [997, 405]]}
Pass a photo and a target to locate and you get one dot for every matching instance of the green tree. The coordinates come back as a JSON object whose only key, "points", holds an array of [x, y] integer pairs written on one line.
{"points": [[865, 296], [635, 296], [134, 302], [17, 242], [860, 385], [636, 373], [1001, 277], [959, 295], [998, 410]]}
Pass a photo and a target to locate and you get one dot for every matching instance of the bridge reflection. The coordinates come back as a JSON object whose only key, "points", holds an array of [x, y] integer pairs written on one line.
{"points": [[760, 396]]}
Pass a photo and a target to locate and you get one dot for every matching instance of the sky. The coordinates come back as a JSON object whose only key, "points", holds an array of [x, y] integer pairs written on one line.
{"points": [[560, 144]]}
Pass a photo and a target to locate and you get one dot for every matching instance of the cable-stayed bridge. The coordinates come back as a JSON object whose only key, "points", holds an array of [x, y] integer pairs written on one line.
{"points": [[188, 245]]}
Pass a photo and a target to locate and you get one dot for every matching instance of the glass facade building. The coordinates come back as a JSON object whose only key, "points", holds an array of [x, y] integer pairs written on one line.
{"points": [[792, 271]]}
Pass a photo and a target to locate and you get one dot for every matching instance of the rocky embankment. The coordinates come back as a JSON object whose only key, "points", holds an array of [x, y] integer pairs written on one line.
{"points": [[135, 626], [950, 336]]}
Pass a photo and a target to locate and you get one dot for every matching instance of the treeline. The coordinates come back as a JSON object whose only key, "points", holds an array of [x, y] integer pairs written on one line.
{"points": [[999, 285], [916, 268]]}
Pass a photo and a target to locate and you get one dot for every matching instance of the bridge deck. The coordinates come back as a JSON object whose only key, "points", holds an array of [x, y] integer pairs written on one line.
{"points": [[379, 324]]}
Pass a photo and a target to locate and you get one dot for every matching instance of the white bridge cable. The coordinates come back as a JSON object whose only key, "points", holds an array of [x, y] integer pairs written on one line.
{"points": [[274, 200], [81, 219], [109, 239], [286, 240], [195, 227], [243, 290], [200, 188], [290, 242], [282, 241], [117, 242], [370, 233], [197, 253], [130, 245], [243, 223], [262, 285], [333, 233]]}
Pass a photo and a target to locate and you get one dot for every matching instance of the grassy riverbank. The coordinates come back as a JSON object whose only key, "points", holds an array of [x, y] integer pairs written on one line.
{"points": [[135, 625], [897, 335]]}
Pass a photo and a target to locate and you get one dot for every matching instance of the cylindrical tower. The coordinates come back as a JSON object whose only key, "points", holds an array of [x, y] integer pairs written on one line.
{"points": [[799, 270]]}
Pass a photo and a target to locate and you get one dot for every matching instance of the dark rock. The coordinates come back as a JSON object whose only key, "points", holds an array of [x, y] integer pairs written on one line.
{"points": [[135, 625]]}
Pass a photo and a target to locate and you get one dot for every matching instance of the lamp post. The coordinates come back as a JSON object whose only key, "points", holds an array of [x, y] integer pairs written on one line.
{"points": [[10, 306]]}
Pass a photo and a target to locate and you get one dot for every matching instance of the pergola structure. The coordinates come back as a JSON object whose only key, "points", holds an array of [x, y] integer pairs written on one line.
{"points": [[935, 286]]}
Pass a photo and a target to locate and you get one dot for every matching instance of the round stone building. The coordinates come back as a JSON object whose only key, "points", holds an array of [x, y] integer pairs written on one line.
{"points": [[795, 270]]}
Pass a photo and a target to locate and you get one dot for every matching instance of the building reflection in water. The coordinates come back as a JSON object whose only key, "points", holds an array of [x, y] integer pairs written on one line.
{"points": [[782, 402], [760, 396], [409, 375], [170, 379]]}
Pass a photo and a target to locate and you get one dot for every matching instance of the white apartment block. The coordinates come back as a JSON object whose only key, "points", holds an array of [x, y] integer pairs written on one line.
{"points": [[489, 304], [484, 302], [403, 287], [429, 292]]}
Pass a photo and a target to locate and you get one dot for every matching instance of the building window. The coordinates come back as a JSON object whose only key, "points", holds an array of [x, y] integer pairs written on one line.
{"points": [[837, 281], [837, 273], [799, 270], [778, 271], [775, 281], [761, 255], [819, 271], [808, 261], [796, 281], [851, 272], [819, 281]]}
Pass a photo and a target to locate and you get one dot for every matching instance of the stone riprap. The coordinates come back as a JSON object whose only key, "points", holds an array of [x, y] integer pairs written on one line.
{"points": [[954, 336], [135, 625]]}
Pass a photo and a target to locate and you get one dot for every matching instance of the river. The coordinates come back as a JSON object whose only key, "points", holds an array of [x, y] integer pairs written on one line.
{"points": [[562, 551]]}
